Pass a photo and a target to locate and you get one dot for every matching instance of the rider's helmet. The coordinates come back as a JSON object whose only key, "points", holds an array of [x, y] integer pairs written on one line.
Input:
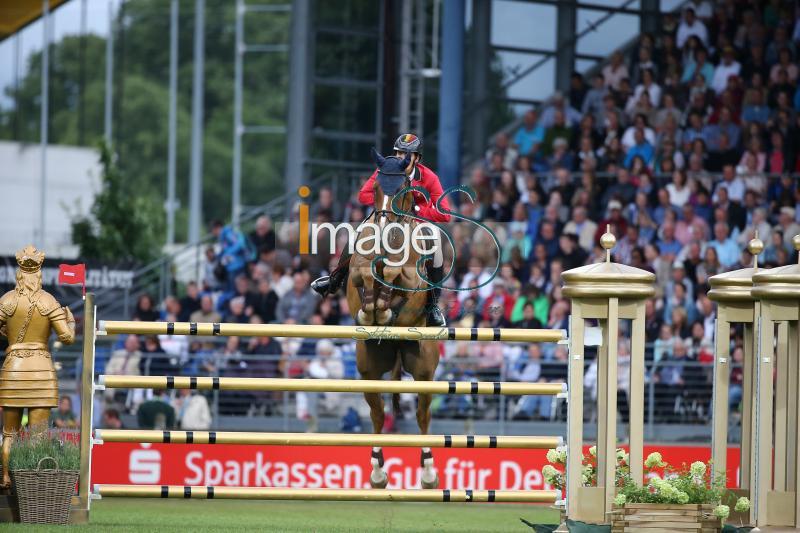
{"points": [[409, 143]]}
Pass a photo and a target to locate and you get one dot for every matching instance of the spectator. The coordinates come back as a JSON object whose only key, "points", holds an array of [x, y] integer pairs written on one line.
{"points": [[112, 420], [64, 417], [529, 320], [788, 225], [263, 236], [145, 310], [193, 412], [530, 135], [125, 362], [593, 101], [558, 130], [297, 305], [154, 361], [529, 370], [728, 67], [206, 313], [503, 152], [235, 250], [189, 303], [324, 208], [236, 311], [698, 66], [559, 105], [786, 65], [690, 26], [755, 109], [263, 302], [581, 226], [327, 364], [725, 246], [724, 125], [615, 71], [156, 413], [641, 149]]}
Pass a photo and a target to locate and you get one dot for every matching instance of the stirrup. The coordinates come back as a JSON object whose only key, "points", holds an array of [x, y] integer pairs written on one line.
{"points": [[321, 285], [435, 317]]}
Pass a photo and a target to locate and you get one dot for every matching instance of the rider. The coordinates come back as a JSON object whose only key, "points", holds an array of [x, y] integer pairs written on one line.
{"points": [[421, 176]]}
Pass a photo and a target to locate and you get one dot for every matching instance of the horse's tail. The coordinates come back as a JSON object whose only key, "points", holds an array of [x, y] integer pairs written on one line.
{"points": [[397, 375]]}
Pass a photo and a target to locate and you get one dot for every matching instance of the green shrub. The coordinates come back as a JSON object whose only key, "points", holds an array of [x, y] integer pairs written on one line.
{"points": [[28, 449]]}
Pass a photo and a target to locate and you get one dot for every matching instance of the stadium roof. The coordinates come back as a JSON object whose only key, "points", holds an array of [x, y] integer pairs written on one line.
{"points": [[16, 14]]}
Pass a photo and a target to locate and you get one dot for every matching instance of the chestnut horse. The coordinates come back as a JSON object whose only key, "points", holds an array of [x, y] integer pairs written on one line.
{"points": [[374, 303]]}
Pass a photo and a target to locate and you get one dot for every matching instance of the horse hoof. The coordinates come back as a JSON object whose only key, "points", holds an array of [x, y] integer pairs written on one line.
{"points": [[432, 484], [384, 317], [363, 318], [381, 484]]}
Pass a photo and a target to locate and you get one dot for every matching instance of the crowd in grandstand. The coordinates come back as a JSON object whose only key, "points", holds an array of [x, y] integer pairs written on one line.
{"points": [[687, 146]]}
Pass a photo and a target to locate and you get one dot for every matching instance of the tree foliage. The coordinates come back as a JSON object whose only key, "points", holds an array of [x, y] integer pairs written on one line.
{"points": [[119, 226]]}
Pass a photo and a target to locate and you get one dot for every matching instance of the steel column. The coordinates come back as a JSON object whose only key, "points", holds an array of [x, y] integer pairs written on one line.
{"points": [[565, 44], [451, 90], [171, 204], [298, 124], [196, 162]]}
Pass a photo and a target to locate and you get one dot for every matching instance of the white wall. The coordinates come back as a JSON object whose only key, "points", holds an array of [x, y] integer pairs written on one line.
{"points": [[73, 176]]}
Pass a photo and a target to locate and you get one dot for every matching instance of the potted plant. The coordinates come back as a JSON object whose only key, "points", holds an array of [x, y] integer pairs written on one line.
{"points": [[688, 498], [44, 469]]}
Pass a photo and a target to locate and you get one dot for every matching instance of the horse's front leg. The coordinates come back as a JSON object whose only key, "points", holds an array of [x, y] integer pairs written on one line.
{"points": [[430, 478], [372, 366], [383, 295]]}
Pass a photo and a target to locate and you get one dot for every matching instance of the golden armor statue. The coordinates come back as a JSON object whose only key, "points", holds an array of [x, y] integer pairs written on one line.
{"points": [[28, 379]]}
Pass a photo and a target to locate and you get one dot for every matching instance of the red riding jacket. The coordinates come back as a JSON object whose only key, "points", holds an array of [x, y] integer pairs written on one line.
{"points": [[423, 177]]}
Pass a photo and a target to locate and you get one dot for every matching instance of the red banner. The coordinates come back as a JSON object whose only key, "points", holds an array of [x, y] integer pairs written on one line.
{"points": [[337, 466]]}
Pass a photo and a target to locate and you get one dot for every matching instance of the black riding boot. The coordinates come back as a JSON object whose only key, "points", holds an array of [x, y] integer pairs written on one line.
{"points": [[435, 317], [331, 284]]}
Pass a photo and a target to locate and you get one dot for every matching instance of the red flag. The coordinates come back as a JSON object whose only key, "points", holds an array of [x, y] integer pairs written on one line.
{"points": [[72, 275]]}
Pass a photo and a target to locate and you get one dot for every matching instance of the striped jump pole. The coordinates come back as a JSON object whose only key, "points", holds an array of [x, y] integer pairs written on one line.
{"points": [[207, 329], [326, 439], [332, 385], [274, 493]]}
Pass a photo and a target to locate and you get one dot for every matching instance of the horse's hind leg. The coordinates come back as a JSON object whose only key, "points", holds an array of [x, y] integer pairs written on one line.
{"points": [[372, 365], [421, 360]]}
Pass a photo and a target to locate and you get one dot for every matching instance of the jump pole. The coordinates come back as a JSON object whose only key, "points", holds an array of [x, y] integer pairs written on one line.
{"points": [[331, 385], [273, 493], [325, 439], [208, 329]]}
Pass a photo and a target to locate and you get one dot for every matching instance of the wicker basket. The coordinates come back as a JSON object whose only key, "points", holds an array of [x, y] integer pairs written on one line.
{"points": [[44, 494]]}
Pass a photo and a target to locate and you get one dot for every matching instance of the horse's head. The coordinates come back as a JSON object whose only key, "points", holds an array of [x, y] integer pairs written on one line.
{"points": [[391, 179]]}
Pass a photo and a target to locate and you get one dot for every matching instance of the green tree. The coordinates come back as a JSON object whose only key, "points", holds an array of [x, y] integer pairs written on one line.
{"points": [[119, 226]]}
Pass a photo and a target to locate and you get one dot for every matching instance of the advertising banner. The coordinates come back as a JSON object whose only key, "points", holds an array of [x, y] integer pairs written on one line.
{"points": [[337, 466]]}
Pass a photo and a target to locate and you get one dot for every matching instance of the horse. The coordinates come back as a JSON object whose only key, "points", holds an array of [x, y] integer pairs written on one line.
{"points": [[373, 303]]}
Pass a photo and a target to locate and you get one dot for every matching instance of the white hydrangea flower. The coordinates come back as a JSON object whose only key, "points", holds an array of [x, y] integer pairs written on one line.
{"points": [[593, 451], [552, 456], [620, 499], [722, 511], [622, 455], [654, 460], [682, 497], [742, 505], [562, 454], [549, 472], [698, 469]]}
